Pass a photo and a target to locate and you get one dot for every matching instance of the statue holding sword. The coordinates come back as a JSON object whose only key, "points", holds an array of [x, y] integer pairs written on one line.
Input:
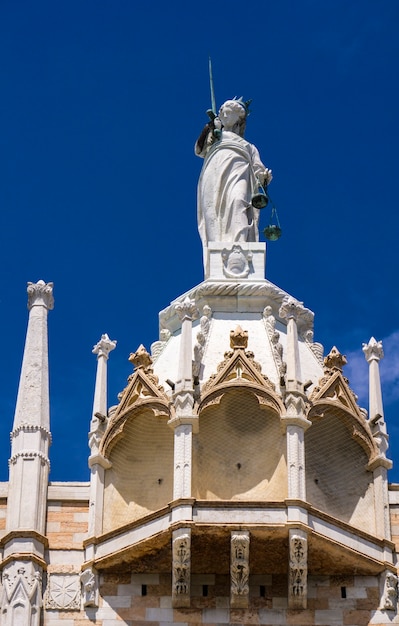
{"points": [[231, 174]]}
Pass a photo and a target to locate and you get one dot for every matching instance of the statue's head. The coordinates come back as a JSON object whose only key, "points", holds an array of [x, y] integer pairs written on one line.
{"points": [[233, 114]]}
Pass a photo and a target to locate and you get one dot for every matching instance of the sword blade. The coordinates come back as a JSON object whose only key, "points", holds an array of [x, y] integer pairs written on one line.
{"points": [[213, 101]]}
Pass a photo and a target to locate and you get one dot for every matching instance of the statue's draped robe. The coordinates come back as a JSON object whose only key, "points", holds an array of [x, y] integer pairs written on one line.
{"points": [[225, 189]]}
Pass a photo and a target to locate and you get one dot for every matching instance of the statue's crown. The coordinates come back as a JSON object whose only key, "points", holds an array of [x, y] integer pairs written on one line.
{"points": [[244, 103]]}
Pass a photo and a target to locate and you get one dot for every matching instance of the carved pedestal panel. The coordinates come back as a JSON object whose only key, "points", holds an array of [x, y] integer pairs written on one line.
{"points": [[181, 570], [239, 569], [389, 599], [298, 570], [21, 597], [63, 592]]}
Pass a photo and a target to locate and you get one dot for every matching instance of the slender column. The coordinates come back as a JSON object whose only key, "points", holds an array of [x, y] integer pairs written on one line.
{"points": [[181, 567], [187, 312], [373, 353], [290, 309], [183, 399], [30, 438], [294, 420], [29, 469], [239, 569], [97, 463]]}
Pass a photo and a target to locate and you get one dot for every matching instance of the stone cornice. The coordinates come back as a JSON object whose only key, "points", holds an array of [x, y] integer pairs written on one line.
{"points": [[23, 534], [260, 293], [30, 428], [29, 454], [24, 556], [322, 525]]}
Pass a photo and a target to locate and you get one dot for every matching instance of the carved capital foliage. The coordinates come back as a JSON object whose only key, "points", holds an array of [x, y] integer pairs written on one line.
{"points": [[291, 309], [63, 592], [89, 581], [40, 294], [295, 405], [389, 598], [181, 550], [239, 569], [104, 346], [186, 309], [298, 572], [21, 595], [373, 350]]}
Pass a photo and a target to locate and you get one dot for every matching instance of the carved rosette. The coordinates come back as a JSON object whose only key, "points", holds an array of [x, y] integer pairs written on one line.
{"points": [[40, 294], [181, 549], [104, 346], [389, 599], [298, 571], [63, 592], [89, 581], [239, 569], [21, 595]]}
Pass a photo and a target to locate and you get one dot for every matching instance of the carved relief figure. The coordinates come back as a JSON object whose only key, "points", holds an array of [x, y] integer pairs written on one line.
{"points": [[239, 568], [230, 175], [298, 571], [89, 581], [390, 593], [181, 565], [21, 598]]}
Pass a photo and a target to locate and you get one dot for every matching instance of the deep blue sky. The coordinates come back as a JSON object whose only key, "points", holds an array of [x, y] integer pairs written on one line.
{"points": [[101, 103]]}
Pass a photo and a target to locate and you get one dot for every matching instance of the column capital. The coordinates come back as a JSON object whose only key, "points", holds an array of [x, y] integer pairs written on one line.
{"points": [[104, 346], [40, 294], [187, 309], [373, 350], [291, 309]]}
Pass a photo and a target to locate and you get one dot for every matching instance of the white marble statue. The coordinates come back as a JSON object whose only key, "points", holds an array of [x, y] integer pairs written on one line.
{"points": [[230, 176]]}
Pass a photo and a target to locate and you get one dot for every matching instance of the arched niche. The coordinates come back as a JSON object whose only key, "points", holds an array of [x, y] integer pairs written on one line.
{"points": [[337, 479], [239, 452], [140, 479]]}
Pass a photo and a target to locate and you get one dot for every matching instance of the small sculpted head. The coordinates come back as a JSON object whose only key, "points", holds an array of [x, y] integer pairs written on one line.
{"points": [[233, 115]]}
